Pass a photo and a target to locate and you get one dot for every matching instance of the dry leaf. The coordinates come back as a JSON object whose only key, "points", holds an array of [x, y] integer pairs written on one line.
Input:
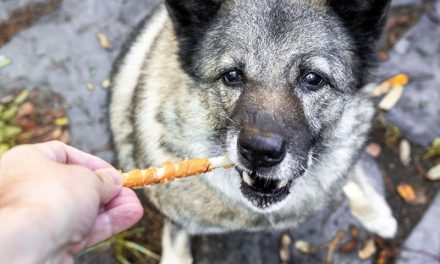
{"points": [[405, 152], [391, 99], [384, 256], [398, 80], [62, 121], [368, 250], [4, 62], [25, 110], [57, 133], [106, 84], [286, 241], [103, 41], [354, 232], [373, 150], [421, 197], [90, 86], [434, 173], [349, 247], [303, 247], [407, 192], [65, 137], [381, 89]]}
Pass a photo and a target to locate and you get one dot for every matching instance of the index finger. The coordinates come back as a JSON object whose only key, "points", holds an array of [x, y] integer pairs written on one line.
{"points": [[62, 153]]}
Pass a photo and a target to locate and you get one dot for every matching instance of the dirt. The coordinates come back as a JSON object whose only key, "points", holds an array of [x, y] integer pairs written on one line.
{"points": [[395, 173], [25, 17]]}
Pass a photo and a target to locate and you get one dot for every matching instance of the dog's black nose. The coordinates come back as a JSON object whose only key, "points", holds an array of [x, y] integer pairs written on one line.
{"points": [[261, 149]]}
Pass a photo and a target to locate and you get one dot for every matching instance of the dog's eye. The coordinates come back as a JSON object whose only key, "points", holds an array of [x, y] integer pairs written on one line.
{"points": [[313, 80], [233, 77]]}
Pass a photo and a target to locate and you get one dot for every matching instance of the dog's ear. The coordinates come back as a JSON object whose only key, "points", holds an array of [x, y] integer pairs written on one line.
{"points": [[191, 18], [192, 13], [364, 18]]}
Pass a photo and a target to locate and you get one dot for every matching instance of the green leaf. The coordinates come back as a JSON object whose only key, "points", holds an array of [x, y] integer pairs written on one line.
{"points": [[4, 148], [9, 113], [21, 97]]}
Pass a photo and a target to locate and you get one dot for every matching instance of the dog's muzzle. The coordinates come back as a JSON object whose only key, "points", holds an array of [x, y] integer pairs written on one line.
{"points": [[261, 150]]}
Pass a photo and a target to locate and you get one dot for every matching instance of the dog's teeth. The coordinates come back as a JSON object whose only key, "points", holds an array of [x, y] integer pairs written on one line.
{"points": [[247, 179], [282, 184]]}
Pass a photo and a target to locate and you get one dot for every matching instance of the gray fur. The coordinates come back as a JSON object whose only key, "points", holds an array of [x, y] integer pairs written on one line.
{"points": [[168, 113]]}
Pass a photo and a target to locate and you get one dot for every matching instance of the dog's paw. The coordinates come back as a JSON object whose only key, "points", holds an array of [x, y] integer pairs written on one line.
{"points": [[384, 225], [371, 210], [175, 259]]}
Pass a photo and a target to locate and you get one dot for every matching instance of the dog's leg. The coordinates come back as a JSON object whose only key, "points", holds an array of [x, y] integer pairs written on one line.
{"points": [[368, 206], [176, 245]]}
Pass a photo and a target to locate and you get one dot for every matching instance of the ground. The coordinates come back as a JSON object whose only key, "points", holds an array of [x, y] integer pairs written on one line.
{"points": [[51, 47]]}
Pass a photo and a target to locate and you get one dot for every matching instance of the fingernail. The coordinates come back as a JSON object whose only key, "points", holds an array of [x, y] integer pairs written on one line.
{"points": [[113, 174]]}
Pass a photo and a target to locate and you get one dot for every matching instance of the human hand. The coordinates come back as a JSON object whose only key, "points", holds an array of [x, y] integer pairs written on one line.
{"points": [[55, 200]]}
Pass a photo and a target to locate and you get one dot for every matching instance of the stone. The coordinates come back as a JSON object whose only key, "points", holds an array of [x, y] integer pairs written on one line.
{"points": [[58, 52], [405, 2], [417, 113], [423, 244]]}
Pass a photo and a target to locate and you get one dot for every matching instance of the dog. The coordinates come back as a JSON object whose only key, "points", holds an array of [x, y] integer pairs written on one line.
{"points": [[277, 86]]}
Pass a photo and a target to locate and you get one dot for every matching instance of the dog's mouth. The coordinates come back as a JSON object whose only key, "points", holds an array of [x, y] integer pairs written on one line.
{"points": [[263, 192]]}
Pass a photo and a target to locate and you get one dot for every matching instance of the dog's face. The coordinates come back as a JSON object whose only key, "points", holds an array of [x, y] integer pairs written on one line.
{"points": [[275, 76]]}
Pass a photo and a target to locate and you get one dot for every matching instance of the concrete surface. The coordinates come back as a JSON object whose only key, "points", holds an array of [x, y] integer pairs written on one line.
{"points": [[423, 245], [418, 54], [60, 53]]}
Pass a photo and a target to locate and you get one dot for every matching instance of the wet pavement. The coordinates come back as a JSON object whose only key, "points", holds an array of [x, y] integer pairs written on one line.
{"points": [[60, 53]]}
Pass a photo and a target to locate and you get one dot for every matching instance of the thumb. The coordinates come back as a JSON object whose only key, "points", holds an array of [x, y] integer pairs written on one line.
{"points": [[109, 185]]}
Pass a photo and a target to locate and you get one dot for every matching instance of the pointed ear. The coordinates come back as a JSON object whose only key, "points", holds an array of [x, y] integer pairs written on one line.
{"points": [[363, 18], [189, 13], [191, 18]]}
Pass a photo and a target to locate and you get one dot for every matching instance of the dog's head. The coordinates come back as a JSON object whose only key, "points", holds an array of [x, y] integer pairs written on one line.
{"points": [[275, 76]]}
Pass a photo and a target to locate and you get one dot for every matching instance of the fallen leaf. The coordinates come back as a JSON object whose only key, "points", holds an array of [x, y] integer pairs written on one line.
{"points": [[4, 62], [433, 150], [392, 98], [9, 113], [373, 150], [407, 192], [57, 133], [384, 257], [61, 122], [65, 137], [303, 247], [25, 109], [405, 152], [3, 148], [90, 86], [349, 246], [399, 80], [421, 197], [285, 243], [381, 89], [354, 232], [106, 84], [434, 173], [396, 81], [383, 55], [103, 41], [21, 97], [333, 245], [368, 250]]}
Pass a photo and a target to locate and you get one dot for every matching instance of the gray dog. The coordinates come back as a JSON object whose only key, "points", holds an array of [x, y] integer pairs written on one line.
{"points": [[277, 86]]}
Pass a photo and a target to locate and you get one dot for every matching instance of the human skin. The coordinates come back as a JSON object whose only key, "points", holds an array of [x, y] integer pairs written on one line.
{"points": [[56, 200]]}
